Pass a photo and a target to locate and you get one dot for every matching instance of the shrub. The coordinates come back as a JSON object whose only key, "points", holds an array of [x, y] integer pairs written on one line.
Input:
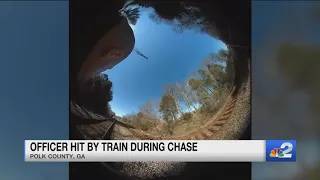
{"points": [[186, 116]]}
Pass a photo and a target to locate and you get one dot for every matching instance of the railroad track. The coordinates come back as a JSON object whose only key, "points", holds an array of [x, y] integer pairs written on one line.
{"points": [[121, 131], [205, 132], [229, 122]]}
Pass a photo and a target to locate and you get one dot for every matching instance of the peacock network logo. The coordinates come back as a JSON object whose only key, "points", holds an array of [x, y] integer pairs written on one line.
{"points": [[276, 152], [280, 150]]}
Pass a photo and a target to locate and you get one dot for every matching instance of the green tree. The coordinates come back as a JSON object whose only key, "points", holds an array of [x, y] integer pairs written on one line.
{"points": [[217, 74], [225, 55], [198, 86], [220, 66], [97, 93], [169, 107], [220, 57], [207, 79]]}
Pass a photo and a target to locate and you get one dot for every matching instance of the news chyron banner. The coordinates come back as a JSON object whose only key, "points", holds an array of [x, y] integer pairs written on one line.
{"points": [[164, 150]]}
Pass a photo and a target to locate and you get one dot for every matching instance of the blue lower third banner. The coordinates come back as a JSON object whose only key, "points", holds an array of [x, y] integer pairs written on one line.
{"points": [[281, 150]]}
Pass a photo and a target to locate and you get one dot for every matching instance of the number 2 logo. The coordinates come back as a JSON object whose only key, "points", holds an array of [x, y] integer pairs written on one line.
{"points": [[286, 152]]}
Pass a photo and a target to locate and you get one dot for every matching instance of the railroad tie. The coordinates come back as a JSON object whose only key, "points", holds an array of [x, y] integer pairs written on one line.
{"points": [[219, 123]]}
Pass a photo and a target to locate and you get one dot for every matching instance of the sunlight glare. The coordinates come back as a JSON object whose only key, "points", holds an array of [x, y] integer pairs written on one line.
{"points": [[132, 27]]}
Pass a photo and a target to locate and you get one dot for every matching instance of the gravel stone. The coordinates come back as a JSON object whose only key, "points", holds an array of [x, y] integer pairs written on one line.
{"points": [[150, 170], [240, 117]]}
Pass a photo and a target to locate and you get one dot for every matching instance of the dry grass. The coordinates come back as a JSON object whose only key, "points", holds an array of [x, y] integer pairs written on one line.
{"points": [[179, 127], [187, 123]]}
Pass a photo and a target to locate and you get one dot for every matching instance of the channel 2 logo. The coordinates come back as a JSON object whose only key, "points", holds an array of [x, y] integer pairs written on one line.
{"points": [[281, 151]]}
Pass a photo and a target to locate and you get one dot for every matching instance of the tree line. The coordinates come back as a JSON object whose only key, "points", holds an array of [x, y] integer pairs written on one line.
{"points": [[203, 93]]}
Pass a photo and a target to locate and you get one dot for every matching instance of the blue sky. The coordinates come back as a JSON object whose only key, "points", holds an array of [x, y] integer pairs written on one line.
{"points": [[172, 58]]}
